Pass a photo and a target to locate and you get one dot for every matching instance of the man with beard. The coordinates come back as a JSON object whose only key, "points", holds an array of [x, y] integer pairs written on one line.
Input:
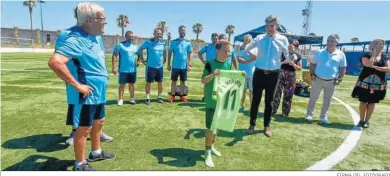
{"points": [[182, 59]]}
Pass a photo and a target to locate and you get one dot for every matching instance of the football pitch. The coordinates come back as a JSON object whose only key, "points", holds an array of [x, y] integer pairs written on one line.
{"points": [[170, 136]]}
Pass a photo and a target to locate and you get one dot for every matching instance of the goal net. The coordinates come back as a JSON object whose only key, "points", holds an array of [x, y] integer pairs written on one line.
{"points": [[10, 42]]}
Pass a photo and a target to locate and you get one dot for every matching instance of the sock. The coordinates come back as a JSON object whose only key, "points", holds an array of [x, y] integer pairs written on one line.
{"points": [[147, 96], [132, 99], [78, 163], [159, 95], [96, 152], [208, 148]]}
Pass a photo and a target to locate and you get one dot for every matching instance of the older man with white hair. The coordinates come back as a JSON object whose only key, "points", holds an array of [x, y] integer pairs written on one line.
{"points": [[84, 46], [247, 65], [270, 47], [70, 90], [327, 70]]}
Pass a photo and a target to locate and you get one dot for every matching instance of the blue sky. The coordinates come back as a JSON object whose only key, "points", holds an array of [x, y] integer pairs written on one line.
{"points": [[365, 20]]}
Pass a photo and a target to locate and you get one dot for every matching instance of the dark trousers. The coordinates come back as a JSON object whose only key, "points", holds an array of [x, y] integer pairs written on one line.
{"points": [[268, 82]]}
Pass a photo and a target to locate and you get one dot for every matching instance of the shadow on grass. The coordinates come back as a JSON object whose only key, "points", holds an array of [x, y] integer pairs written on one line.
{"points": [[41, 163], [237, 135], [178, 157], [40, 142], [195, 101], [112, 102], [294, 120], [302, 120], [248, 114], [340, 126], [193, 104]]}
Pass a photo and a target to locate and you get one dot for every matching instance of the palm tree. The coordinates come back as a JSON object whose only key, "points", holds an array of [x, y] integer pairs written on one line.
{"points": [[163, 26], [197, 28], [229, 30], [354, 40], [122, 21], [30, 4]]}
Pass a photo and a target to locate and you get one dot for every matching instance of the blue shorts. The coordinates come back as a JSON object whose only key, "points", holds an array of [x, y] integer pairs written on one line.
{"points": [[125, 78], [154, 74], [83, 115], [176, 72], [69, 115]]}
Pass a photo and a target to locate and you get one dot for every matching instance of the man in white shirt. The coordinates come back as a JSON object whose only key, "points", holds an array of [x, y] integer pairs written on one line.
{"points": [[327, 69], [270, 47]]}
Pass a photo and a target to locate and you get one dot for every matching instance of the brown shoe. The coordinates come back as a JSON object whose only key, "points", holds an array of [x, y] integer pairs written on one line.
{"points": [[267, 131]]}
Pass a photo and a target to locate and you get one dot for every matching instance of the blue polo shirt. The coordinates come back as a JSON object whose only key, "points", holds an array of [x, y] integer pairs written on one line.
{"points": [[232, 55], [87, 53], [328, 64], [155, 52], [127, 52], [210, 50], [180, 49], [70, 90], [248, 68]]}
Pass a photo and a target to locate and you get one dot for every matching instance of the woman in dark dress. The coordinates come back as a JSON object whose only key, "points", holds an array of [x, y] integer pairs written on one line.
{"points": [[371, 85]]}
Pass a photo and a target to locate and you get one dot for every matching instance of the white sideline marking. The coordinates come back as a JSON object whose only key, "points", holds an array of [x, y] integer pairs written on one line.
{"points": [[345, 148]]}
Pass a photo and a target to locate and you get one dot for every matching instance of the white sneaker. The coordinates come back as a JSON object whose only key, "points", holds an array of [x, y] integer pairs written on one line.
{"points": [[208, 160], [69, 141], [214, 151], [120, 103], [132, 102], [325, 120], [309, 118]]}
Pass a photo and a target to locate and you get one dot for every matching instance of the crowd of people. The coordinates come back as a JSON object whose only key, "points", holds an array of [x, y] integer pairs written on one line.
{"points": [[269, 60]]}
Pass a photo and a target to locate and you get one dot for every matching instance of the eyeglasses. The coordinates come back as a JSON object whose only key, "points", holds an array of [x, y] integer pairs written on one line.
{"points": [[103, 20]]}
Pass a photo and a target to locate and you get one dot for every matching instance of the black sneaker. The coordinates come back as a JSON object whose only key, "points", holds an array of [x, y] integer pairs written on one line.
{"points": [[83, 167], [360, 124], [365, 125], [250, 130], [147, 101], [101, 156], [160, 100]]}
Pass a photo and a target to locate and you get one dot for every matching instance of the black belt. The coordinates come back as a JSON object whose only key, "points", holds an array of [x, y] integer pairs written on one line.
{"points": [[325, 79], [267, 71]]}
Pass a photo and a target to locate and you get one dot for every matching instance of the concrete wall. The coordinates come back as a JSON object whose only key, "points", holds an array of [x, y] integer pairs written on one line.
{"points": [[50, 37]]}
